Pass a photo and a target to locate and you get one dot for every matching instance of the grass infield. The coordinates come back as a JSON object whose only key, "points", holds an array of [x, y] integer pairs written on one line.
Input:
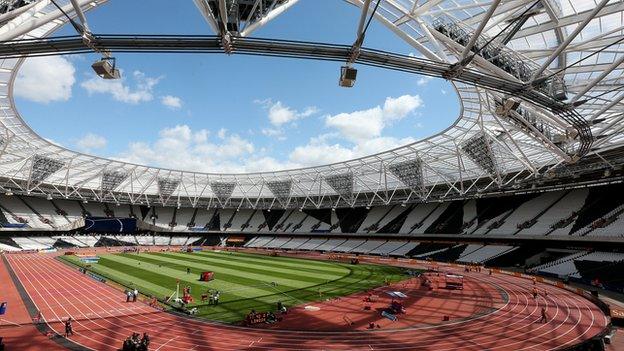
{"points": [[245, 281]]}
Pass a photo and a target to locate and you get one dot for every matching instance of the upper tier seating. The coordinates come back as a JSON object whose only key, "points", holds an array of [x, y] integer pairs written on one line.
{"points": [[485, 253], [558, 213]]}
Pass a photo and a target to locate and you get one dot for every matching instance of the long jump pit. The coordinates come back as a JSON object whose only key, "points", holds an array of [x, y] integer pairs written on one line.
{"points": [[496, 311]]}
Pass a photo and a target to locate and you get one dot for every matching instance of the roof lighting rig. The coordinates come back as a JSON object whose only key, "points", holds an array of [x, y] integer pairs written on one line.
{"points": [[239, 18], [105, 67], [492, 54], [7, 6], [348, 74]]}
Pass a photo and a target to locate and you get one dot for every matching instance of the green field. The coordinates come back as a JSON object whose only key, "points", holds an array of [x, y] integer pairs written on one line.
{"points": [[243, 279]]}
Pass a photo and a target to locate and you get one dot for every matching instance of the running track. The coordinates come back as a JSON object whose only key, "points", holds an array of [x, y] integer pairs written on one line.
{"points": [[104, 320]]}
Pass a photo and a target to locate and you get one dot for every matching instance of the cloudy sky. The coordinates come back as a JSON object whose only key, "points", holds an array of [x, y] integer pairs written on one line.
{"points": [[219, 113]]}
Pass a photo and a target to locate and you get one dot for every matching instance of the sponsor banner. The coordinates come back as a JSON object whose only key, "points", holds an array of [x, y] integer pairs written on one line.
{"points": [[616, 313]]}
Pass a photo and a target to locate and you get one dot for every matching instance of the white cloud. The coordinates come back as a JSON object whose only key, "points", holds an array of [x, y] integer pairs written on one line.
{"points": [[358, 126], [401, 107], [275, 133], [222, 133], [363, 129], [280, 114], [172, 102], [46, 79], [424, 80], [121, 91], [182, 148], [91, 141], [271, 132], [318, 152]]}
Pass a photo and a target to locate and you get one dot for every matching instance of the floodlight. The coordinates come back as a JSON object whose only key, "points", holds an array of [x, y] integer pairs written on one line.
{"points": [[347, 76], [105, 69]]}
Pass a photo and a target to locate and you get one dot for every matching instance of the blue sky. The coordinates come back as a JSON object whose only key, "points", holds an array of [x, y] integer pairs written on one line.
{"points": [[220, 113]]}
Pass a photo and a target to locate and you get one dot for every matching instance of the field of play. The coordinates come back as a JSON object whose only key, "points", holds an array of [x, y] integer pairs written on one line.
{"points": [[245, 281]]}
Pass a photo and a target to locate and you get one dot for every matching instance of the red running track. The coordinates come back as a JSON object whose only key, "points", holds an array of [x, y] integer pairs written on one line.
{"points": [[103, 319], [16, 326]]}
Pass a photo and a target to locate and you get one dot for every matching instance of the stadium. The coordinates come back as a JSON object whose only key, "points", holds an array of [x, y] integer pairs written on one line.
{"points": [[503, 231]]}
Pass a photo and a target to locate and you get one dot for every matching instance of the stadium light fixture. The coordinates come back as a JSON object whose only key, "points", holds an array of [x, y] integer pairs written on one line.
{"points": [[348, 75], [105, 68]]}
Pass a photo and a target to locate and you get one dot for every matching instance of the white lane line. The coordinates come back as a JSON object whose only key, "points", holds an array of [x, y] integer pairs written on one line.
{"points": [[168, 341], [10, 322]]}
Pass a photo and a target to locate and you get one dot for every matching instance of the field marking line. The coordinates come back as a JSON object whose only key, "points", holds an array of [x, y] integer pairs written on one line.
{"points": [[285, 294]]}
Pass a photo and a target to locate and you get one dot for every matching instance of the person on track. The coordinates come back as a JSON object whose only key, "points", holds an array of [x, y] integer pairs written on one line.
{"points": [[135, 294], [544, 316], [145, 341], [69, 330]]}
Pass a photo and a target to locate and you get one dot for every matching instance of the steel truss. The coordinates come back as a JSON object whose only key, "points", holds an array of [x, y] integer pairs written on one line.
{"points": [[436, 168]]}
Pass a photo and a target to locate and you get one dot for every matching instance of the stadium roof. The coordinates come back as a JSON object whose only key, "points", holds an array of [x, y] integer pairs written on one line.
{"points": [[572, 52]]}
